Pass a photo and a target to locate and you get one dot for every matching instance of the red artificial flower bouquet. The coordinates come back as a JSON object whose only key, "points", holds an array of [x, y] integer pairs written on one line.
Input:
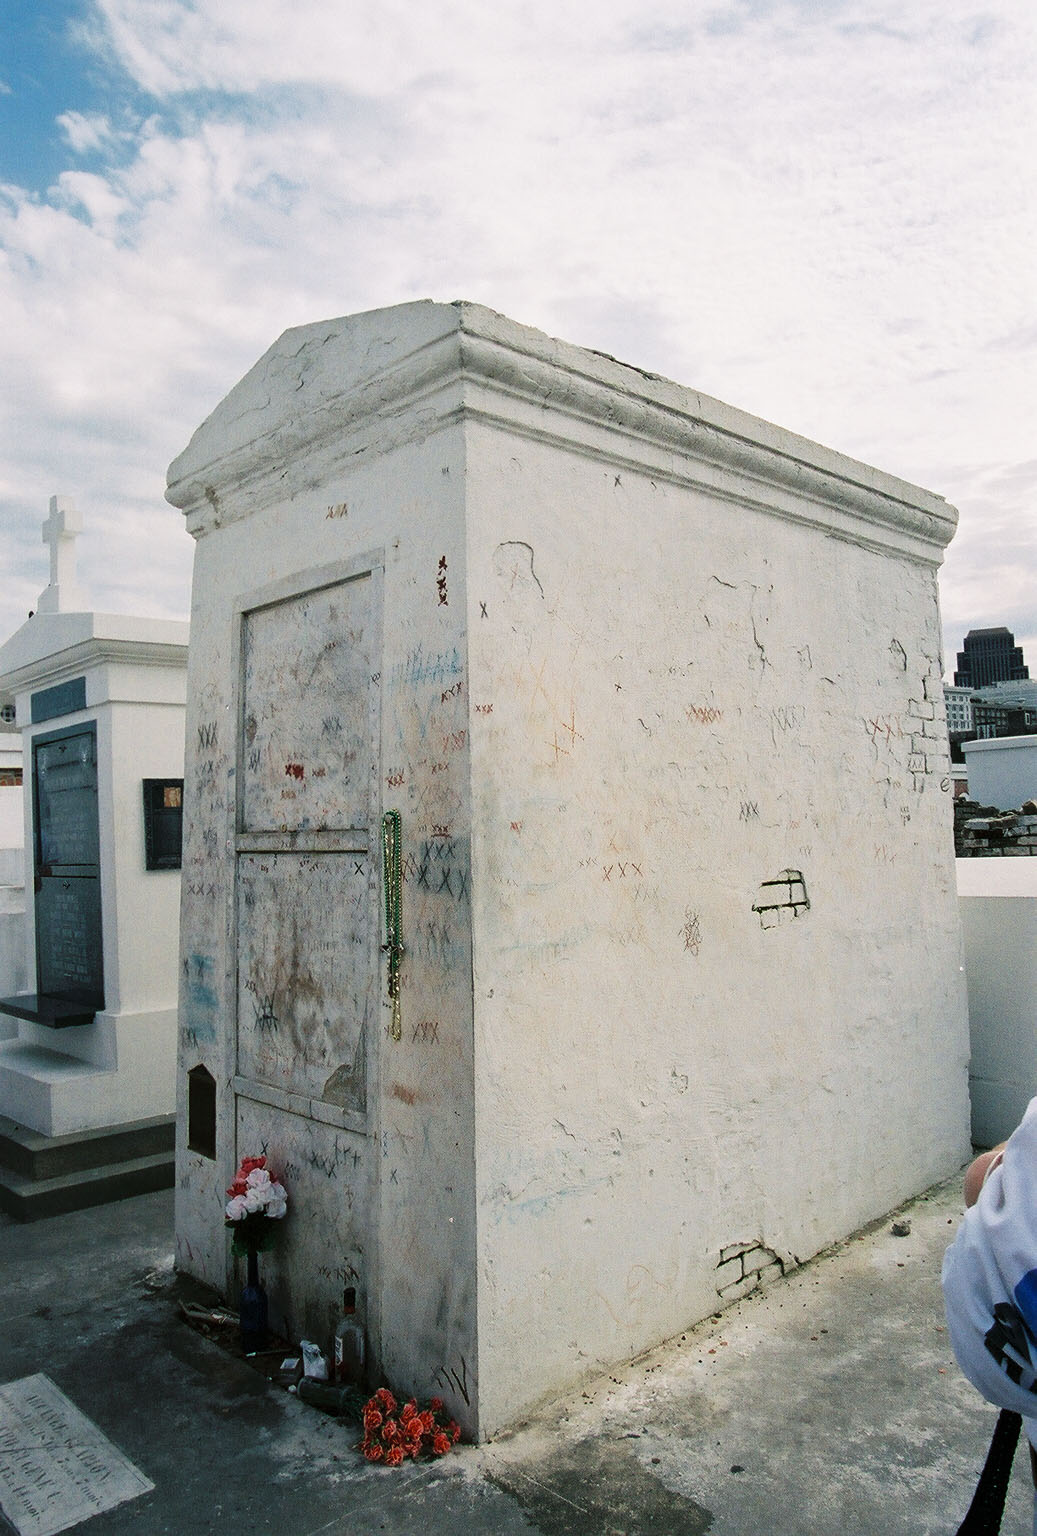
{"points": [[392, 1433]]}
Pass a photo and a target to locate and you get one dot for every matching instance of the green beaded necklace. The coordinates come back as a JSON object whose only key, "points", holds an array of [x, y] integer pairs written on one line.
{"points": [[393, 883]]}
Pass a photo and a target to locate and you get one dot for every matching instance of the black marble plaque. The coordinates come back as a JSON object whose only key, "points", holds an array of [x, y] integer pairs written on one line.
{"points": [[62, 699], [163, 823], [69, 960]]}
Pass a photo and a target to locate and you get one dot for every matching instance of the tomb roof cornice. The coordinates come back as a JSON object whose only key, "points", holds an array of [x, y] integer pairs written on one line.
{"points": [[355, 387], [51, 647]]}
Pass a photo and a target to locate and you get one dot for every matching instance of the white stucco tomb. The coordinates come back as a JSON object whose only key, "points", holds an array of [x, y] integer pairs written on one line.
{"points": [[1002, 771], [655, 689], [100, 704], [12, 869], [998, 898]]}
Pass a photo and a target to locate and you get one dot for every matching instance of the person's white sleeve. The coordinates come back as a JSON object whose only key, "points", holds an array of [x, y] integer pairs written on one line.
{"points": [[990, 1279]]}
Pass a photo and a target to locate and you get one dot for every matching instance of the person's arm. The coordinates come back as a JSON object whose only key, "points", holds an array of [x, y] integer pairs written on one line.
{"points": [[977, 1171]]}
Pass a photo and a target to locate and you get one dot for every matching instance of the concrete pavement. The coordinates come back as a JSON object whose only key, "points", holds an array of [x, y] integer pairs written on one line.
{"points": [[828, 1404]]}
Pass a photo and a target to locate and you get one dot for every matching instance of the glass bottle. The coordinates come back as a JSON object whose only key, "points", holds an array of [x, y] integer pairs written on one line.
{"points": [[348, 1349]]}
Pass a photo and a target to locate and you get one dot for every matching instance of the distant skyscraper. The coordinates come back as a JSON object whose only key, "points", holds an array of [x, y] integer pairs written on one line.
{"points": [[989, 656]]}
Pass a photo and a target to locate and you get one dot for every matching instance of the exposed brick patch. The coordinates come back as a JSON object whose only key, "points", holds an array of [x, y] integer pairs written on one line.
{"points": [[983, 832], [746, 1267]]}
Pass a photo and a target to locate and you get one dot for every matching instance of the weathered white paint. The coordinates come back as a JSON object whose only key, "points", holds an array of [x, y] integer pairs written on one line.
{"points": [[660, 705], [122, 1066], [998, 899], [1002, 771]]}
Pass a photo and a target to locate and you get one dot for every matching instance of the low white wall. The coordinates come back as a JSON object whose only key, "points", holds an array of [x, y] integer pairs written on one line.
{"points": [[998, 900], [1002, 771], [12, 830]]}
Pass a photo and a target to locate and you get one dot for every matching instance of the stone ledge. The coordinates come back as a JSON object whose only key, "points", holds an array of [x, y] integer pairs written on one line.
{"points": [[445, 363]]}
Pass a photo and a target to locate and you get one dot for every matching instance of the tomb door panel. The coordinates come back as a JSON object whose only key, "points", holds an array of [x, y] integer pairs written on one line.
{"points": [[69, 962], [306, 988], [306, 904], [306, 758]]}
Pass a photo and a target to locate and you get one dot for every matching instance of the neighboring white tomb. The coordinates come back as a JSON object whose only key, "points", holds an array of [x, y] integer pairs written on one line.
{"points": [[654, 688], [1002, 771], [12, 865], [998, 899], [100, 702]]}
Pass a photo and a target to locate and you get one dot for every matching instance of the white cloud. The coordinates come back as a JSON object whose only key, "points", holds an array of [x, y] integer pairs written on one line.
{"points": [[87, 131], [822, 214]]}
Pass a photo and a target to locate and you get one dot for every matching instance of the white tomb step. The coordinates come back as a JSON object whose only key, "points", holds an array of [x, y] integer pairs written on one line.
{"points": [[40, 1086]]}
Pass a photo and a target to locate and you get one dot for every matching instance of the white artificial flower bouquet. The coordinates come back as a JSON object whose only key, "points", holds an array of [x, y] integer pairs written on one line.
{"points": [[256, 1201]]}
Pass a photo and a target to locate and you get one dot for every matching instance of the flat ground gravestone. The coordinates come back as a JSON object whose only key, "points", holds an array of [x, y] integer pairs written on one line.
{"points": [[56, 1467], [100, 704], [616, 715]]}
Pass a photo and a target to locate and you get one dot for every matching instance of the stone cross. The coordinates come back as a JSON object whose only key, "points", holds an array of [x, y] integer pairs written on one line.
{"points": [[59, 531]]}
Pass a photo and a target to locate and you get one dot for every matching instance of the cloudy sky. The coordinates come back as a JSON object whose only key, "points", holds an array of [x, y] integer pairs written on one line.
{"points": [[821, 211]]}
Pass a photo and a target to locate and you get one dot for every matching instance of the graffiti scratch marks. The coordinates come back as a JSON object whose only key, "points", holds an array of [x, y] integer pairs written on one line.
{"points": [[750, 811], [427, 1031], [329, 1163], [452, 692], [559, 750], [567, 727], [691, 933], [780, 896], [208, 736], [484, 709], [340, 509], [704, 714], [441, 581], [457, 1380], [574, 734], [421, 668], [342, 1275], [295, 771], [884, 728], [786, 718], [263, 1008], [622, 871], [514, 561]]}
